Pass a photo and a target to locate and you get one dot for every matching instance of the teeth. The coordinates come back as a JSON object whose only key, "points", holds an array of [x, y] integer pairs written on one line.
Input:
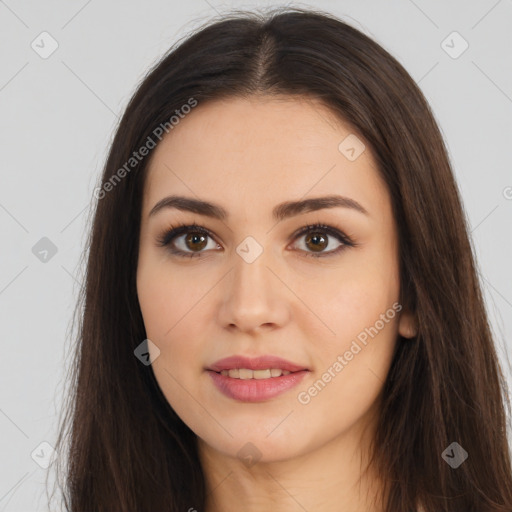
{"points": [[245, 373], [261, 374]]}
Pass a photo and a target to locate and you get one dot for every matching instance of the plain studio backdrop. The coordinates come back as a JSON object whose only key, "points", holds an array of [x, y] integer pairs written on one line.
{"points": [[67, 71]]}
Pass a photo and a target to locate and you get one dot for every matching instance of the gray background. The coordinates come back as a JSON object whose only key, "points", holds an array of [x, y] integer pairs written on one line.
{"points": [[57, 119]]}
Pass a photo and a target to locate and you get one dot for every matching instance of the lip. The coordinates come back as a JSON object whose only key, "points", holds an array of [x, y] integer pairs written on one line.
{"points": [[255, 390], [255, 363]]}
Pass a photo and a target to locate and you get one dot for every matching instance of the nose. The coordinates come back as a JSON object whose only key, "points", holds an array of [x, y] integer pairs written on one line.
{"points": [[255, 298]]}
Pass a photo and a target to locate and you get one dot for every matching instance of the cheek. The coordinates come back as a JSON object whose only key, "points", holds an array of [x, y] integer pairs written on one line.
{"points": [[352, 361], [351, 367], [164, 304], [352, 300], [165, 297], [170, 313]]}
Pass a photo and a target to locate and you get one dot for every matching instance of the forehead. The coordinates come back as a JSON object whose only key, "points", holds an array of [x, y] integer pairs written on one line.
{"points": [[262, 150]]}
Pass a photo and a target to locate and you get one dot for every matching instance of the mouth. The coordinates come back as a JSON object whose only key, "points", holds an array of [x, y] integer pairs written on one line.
{"points": [[257, 379], [246, 373]]}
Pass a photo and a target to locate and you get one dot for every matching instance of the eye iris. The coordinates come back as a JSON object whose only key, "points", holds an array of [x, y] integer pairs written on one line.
{"points": [[319, 241], [193, 238]]}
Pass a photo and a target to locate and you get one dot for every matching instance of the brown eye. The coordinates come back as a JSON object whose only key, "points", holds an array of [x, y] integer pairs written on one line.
{"points": [[316, 242], [187, 241], [195, 241], [319, 237]]}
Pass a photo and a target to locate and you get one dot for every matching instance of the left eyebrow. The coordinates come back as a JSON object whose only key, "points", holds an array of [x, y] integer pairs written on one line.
{"points": [[280, 212]]}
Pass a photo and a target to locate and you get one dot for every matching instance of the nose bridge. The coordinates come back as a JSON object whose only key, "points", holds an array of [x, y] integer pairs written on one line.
{"points": [[251, 277], [255, 296]]}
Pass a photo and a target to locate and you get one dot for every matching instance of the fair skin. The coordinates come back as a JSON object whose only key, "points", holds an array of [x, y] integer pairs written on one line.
{"points": [[249, 155]]}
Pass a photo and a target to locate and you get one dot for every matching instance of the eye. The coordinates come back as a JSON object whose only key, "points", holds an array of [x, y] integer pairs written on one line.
{"points": [[195, 237], [190, 240], [319, 237]]}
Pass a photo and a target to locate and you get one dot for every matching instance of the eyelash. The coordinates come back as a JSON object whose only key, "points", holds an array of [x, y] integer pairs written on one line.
{"points": [[174, 231]]}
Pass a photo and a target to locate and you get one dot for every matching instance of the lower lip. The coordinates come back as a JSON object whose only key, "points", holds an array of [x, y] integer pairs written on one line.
{"points": [[256, 390]]}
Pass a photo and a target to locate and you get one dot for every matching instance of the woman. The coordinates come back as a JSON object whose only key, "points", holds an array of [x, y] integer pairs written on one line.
{"points": [[281, 306]]}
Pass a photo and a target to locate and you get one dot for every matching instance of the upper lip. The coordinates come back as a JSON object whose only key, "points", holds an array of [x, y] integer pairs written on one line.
{"points": [[255, 363]]}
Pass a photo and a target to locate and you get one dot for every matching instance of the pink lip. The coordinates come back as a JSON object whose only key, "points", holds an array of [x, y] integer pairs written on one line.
{"points": [[255, 390], [256, 363]]}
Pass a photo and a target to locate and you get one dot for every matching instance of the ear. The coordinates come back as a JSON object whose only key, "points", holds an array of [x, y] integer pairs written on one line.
{"points": [[407, 325]]}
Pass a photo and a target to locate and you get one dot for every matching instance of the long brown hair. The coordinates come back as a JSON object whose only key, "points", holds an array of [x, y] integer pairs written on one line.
{"points": [[128, 450]]}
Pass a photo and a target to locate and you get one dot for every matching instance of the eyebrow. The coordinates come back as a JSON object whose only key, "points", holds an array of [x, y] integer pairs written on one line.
{"points": [[280, 212]]}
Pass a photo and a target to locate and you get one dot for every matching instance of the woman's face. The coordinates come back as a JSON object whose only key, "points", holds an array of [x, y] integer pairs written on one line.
{"points": [[258, 287]]}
